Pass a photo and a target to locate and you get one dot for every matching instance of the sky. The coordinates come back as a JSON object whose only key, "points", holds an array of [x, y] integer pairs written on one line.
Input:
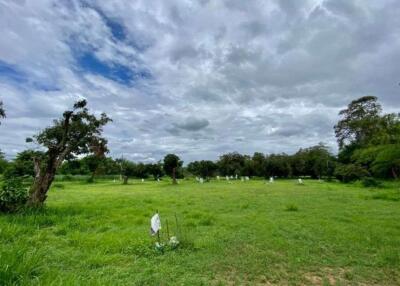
{"points": [[196, 78]]}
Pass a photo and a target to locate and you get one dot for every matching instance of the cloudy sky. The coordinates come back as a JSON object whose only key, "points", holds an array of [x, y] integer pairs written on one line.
{"points": [[196, 78]]}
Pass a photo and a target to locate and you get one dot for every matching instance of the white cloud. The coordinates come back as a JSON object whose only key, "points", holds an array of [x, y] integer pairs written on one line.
{"points": [[221, 75]]}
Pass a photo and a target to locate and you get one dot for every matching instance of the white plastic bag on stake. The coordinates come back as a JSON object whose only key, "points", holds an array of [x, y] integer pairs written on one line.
{"points": [[155, 224]]}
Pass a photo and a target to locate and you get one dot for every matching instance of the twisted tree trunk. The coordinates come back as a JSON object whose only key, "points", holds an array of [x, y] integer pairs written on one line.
{"points": [[39, 189], [44, 177], [41, 184]]}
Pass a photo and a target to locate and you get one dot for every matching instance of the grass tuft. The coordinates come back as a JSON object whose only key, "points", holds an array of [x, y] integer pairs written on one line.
{"points": [[292, 208]]}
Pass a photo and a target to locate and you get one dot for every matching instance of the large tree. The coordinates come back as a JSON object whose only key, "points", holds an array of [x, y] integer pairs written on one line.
{"points": [[231, 164], [360, 122], [171, 164], [258, 160], [73, 134], [204, 168], [315, 161], [156, 170], [128, 169], [278, 165], [2, 111]]}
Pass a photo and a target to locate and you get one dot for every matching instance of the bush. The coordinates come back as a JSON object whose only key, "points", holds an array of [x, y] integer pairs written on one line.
{"points": [[350, 172], [13, 195], [10, 172], [369, 182]]}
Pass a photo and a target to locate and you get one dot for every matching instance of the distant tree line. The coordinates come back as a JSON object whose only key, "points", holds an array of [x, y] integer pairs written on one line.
{"points": [[314, 162], [368, 140]]}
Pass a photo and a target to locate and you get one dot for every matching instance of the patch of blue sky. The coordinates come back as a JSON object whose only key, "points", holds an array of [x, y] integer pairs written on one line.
{"points": [[12, 73], [88, 62], [21, 79], [117, 30], [119, 33]]}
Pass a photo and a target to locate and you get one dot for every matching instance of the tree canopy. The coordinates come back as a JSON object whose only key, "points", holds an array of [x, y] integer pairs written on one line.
{"points": [[74, 134], [204, 168], [369, 140], [359, 122], [171, 164]]}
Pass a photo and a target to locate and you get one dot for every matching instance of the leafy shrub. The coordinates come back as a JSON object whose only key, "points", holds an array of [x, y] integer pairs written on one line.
{"points": [[13, 195], [10, 172], [369, 182], [350, 172]]}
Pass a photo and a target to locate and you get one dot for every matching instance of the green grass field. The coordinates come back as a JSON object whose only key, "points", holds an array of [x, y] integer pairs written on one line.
{"points": [[238, 233]]}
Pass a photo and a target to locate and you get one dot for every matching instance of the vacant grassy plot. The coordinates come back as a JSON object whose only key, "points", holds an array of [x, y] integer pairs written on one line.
{"points": [[238, 233]]}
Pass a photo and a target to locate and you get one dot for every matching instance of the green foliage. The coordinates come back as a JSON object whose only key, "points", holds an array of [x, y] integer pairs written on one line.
{"points": [[73, 134], [368, 139], [13, 195], [258, 161], [20, 265], [315, 161], [204, 168], [156, 170], [78, 132], [3, 163], [369, 182], [278, 165], [350, 172], [382, 160], [359, 122], [387, 162], [75, 167], [231, 164], [172, 164], [23, 162]]}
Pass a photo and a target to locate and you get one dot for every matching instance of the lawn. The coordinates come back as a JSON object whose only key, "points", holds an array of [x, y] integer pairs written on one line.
{"points": [[236, 233]]}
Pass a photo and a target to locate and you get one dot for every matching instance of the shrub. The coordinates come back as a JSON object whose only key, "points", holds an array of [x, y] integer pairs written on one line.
{"points": [[369, 182], [13, 195], [350, 172]]}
